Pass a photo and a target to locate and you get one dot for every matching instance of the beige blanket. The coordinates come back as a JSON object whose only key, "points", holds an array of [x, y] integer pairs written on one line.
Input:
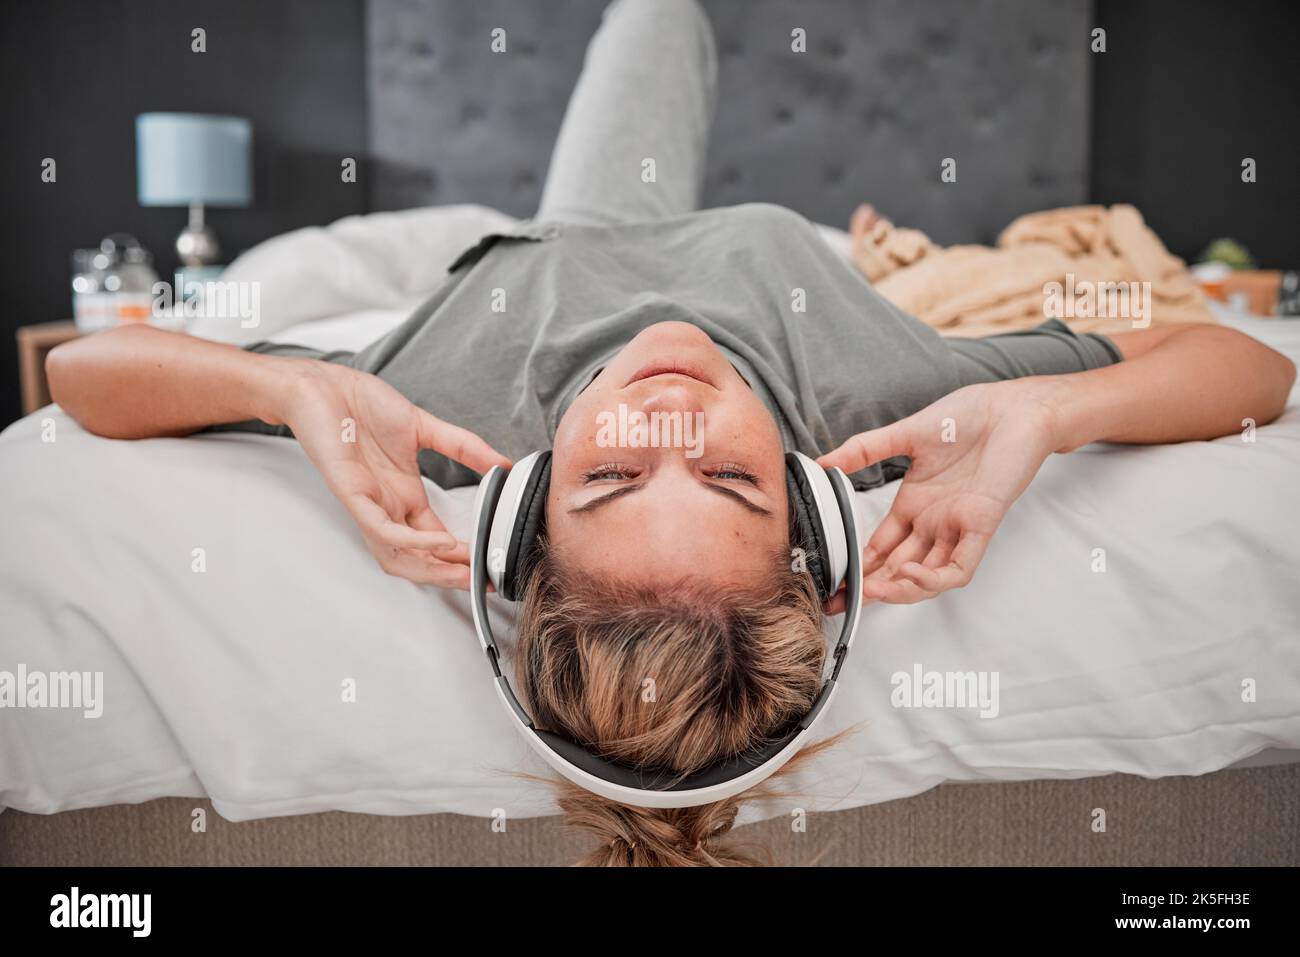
{"points": [[1096, 269]]}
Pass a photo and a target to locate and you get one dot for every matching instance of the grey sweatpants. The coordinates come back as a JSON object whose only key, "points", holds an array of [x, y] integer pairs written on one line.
{"points": [[646, 93]]}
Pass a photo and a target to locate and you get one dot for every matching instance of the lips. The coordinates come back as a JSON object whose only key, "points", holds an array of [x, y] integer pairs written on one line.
{"points": [[671, 367]]}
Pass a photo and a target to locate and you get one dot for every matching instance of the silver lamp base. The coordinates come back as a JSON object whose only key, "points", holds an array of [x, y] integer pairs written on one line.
{"points": [[197, 244]]}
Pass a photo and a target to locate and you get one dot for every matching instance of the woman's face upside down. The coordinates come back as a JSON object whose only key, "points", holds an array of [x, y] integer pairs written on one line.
{"points": [[668, 466]]}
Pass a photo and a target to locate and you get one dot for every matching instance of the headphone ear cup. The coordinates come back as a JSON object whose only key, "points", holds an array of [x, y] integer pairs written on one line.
{"points": [[528, 523], [807, 526]]}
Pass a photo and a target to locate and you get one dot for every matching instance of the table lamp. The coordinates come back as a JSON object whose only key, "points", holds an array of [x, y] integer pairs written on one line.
{"points": [[193, 159]]}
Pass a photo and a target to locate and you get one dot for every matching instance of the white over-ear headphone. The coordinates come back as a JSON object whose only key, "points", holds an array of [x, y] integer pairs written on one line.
{"points": [[510, 512]]}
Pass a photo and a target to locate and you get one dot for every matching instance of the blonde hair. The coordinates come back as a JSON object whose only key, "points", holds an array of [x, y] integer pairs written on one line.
{"points": [[670, 680]]}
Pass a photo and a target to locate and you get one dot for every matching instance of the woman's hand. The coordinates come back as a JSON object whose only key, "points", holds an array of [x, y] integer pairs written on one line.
{"points": [[364, 437], [973, 452]]}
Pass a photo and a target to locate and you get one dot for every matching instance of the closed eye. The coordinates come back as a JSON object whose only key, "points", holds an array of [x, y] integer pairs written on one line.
{"points": [[733, 473], [611, 472], [723, 490]]}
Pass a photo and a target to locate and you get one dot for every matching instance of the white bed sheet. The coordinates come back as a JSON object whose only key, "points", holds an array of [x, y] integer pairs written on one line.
{"points": [[227, 683]]}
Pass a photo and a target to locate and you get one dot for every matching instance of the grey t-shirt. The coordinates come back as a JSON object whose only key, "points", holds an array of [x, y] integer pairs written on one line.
{"points": [[525, 320]]}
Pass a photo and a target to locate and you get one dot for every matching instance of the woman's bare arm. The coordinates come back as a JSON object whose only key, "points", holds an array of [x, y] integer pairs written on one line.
{"points": [[137, 382], [1176, 384], [361, 434]]}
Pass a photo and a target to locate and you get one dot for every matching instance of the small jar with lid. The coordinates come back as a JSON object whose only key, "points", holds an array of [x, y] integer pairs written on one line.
{"points": [[92, 305]]}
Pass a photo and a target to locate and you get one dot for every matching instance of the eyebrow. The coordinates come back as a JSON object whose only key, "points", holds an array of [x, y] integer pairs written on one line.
{"points": [[730, 493]]}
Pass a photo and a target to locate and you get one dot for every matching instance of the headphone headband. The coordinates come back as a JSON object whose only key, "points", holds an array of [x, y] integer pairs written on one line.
{"points": [[508, 510]]}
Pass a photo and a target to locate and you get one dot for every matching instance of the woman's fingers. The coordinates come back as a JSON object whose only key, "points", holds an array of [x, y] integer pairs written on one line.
{"points": [[458, 555], [965, 559], [956, 572], [887, 537], [427, 553], [939, 554], [898, 591], [867, 448], [379, 528], [420, 568], [921, 567], [892, 580], [912, 549], [881, 583], [456, 443], [923, 571], [838, 603], [424, 518], [927, 578]]}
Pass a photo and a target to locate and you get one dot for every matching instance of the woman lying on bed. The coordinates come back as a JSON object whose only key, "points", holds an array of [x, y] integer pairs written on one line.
{"points": [[674, 562]]}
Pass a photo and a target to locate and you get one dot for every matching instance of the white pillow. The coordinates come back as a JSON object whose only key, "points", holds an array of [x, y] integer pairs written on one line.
{"points": [[229, 681], [375, 261]]}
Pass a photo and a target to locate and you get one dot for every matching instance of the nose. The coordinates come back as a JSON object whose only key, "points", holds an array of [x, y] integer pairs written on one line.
{"points": [[673, 397]]}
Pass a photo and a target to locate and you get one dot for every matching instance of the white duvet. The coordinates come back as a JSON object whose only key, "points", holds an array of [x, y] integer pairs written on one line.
{"points": [[230, 605]]}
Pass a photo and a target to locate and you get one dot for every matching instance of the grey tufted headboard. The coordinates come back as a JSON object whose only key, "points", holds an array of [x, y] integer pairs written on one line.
{"points": [[886, 91]]}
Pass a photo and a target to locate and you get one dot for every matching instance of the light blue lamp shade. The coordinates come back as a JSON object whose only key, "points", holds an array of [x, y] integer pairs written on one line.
{"points": [[184, 158]]}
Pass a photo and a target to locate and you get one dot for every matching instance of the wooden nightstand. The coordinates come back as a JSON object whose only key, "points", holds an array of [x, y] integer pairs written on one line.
{"points": [[34, 342]]}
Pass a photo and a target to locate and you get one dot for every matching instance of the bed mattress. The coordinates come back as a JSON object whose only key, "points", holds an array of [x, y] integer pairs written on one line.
{"points": [[228, 604]]}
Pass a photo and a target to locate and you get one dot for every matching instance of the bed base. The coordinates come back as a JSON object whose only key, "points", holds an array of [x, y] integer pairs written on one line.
{"points": [[1247, 816]]}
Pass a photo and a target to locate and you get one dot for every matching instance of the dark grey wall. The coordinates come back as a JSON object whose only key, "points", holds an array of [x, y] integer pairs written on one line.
{"points": [[1185, 91], [77, 73], [885, 91], [1007, 87], [1010, 88]]}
